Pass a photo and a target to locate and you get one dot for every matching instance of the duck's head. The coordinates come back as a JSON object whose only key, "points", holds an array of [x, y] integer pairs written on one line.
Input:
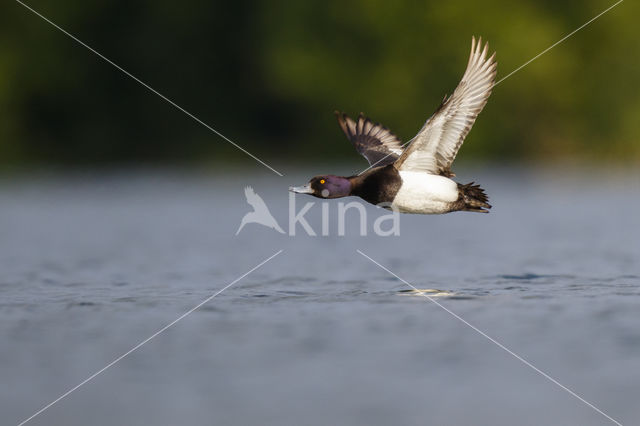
{"points": [[328, 186]]}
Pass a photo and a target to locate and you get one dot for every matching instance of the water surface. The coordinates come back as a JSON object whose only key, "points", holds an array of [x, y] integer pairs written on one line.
{"points": [[91, 264]]}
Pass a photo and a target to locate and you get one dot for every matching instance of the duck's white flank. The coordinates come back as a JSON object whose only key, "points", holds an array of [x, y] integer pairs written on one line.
{"points": [[424, 193]]}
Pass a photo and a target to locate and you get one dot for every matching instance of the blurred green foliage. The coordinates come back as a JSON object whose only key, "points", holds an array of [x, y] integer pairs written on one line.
{"points": [[269, 74]]}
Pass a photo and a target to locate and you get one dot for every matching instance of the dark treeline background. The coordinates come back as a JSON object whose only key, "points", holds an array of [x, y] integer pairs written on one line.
{"points": [[269, 74]]}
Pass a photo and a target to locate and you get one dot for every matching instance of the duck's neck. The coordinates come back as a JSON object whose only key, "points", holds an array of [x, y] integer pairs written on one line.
{"points": [[356, 182], [376, 185]]}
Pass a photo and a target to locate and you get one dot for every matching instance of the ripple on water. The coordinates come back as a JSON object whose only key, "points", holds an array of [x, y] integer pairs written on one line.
{"points": [[125, 300], [291, 279], [430, 292], [82, 304], [295, 293], [531, 276]]}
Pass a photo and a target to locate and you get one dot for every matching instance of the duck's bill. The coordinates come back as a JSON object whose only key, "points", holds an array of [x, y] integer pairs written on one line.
{"points": [[304, 189]]}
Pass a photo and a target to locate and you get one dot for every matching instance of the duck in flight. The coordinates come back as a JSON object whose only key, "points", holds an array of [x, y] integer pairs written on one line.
{"points": [[416, 179]]}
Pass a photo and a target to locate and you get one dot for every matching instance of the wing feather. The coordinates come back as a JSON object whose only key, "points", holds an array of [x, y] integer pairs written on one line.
{"points": [[372, 140], [436, 145]]}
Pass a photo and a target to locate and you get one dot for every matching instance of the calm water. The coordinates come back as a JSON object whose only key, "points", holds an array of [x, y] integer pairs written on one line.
{"points": [[90, 265]]}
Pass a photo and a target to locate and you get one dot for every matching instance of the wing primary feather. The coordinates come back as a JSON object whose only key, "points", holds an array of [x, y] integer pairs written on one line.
{"points": [[372, 140], [436, 145]]}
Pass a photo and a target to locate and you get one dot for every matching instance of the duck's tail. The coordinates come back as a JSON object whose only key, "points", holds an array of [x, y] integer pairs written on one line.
{"points": [[473, 198]]}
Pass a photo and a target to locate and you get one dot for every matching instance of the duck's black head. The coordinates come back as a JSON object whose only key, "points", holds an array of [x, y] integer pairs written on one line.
{"points": [[329, 186]]}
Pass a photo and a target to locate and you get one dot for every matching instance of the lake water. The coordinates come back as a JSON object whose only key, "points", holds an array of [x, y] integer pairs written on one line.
{"points": [[93, 263]]}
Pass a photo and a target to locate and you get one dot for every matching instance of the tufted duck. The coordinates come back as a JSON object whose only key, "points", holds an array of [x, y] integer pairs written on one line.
{"points": [[417, 179]]}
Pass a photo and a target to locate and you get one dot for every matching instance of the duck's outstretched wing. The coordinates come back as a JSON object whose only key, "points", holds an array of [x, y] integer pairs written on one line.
{"points": [[374, 141], [435, 146]]}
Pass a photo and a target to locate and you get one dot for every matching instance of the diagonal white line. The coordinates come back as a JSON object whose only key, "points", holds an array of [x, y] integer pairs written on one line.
{"points": [[558, 42], [500, 345], [136, 347], [150, 88], [522, 66]]}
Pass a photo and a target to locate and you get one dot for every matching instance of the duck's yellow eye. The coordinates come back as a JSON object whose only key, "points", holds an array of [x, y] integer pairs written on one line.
{"points": [[322, 181]]}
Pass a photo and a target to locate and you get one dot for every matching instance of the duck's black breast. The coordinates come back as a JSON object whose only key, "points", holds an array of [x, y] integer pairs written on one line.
{"points": [[379, 185]]}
